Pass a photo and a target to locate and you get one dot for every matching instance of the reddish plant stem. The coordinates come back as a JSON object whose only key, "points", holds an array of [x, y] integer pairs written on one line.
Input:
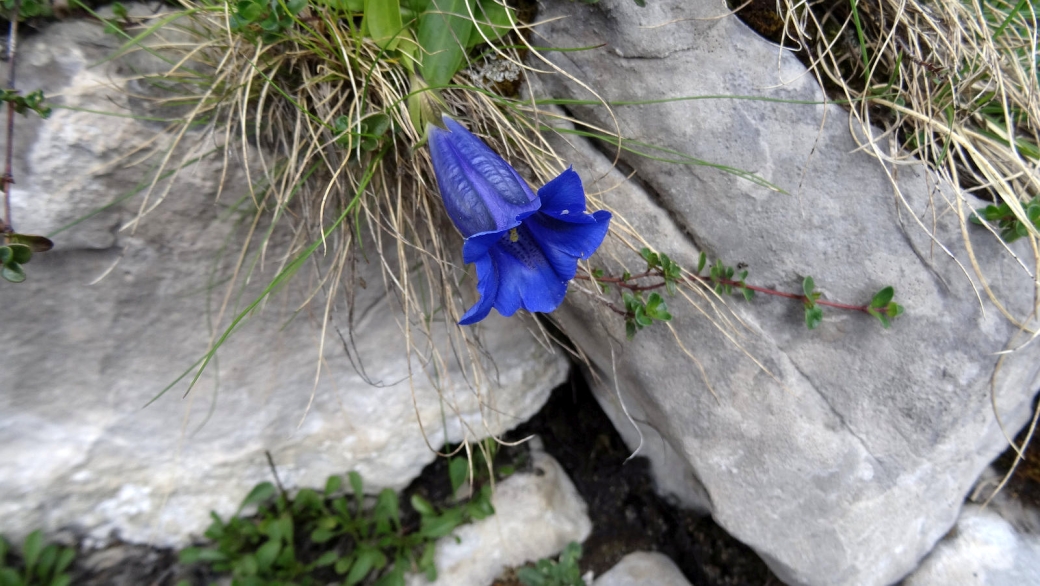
{"points": [[6, 225], [627, 284]]}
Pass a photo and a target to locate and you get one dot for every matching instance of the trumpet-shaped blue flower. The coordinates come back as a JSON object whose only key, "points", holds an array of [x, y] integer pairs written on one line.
{"points": [[525, 246]]}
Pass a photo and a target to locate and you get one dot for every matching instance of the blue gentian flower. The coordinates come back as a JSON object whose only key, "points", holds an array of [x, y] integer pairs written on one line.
{"points": [[525, 246]]}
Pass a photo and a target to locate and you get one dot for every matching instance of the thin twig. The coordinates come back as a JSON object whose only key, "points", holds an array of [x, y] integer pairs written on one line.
{"points": [[627, 283], [6, 225]]}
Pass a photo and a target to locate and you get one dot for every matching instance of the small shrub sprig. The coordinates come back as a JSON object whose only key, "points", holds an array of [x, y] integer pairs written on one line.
{"points": [[318, 537], [17, 249], [664, 273]]}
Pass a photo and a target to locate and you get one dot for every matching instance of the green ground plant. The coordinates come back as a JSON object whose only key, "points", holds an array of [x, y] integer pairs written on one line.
{"points": [[41, 563], [563, 571], [316, 537]]}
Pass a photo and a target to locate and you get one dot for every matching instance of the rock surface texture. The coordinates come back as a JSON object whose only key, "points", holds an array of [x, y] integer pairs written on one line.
{"points": [[643, 567], [537, 514], [982, 550], [843, 454], [80, 361]]}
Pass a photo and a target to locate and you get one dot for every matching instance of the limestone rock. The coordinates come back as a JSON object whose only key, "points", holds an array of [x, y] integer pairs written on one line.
{"points": [[843, 454], [983, 549], [80, 445], [642, 567], [537, 514]]}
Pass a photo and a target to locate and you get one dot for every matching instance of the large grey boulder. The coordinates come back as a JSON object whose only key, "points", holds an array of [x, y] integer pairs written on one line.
{"points": [[841, 455], [80, 360]]}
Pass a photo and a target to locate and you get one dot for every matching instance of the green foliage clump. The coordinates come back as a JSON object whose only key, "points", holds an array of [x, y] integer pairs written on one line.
{"points": [[1011, 228], [547, 572], [12, 257], [17, 251], [320, 537], [42, 564], [28, 9], [22, 104]]}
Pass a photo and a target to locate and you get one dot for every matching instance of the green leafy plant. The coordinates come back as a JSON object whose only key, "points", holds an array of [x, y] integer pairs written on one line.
{"points": [[12, 257], [317, 537], [28, 8], [1009, 226], [547, 572], [18, 251], [265, 19], [22, 104], [42, 564]]}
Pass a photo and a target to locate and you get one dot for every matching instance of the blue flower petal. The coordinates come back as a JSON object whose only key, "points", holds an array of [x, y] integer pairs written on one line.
{"points": [[480, 190], [568, 237], [526, 277], [564, 195], [487, 286]]}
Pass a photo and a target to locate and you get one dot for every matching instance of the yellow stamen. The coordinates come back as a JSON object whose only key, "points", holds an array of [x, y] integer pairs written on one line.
{"points": [[514, 235]]}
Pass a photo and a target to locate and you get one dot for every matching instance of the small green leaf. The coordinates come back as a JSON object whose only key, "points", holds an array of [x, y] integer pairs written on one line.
{"points": [[327, 559], [394, 577], [494, 19], [344, 563], [883, 297], [458, 472], [630, 329], [422, 506], [260, 493], [529, 576], [64, 560], [332, 485], [383, 21], [749, 294], [808, 286], [6, 254], [34, 242], [426, 561], [32, 548], [441, 28], [642, 318], [700, 262], [246, 565], [813, 317], [367, 559], [46, 561], [386, 511], [356, 485], [267, 553], [322, 535], [191, 555], [441, 525]]}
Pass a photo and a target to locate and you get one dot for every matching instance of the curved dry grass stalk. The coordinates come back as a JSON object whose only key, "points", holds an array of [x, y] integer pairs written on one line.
{"points": [[957, 85]]}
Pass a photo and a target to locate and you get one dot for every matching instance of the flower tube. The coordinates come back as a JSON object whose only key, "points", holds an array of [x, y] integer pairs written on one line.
{"points": [[525, 246]]}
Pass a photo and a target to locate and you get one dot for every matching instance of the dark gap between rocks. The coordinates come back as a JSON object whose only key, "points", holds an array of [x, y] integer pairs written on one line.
{"points": [[627, 515]]}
